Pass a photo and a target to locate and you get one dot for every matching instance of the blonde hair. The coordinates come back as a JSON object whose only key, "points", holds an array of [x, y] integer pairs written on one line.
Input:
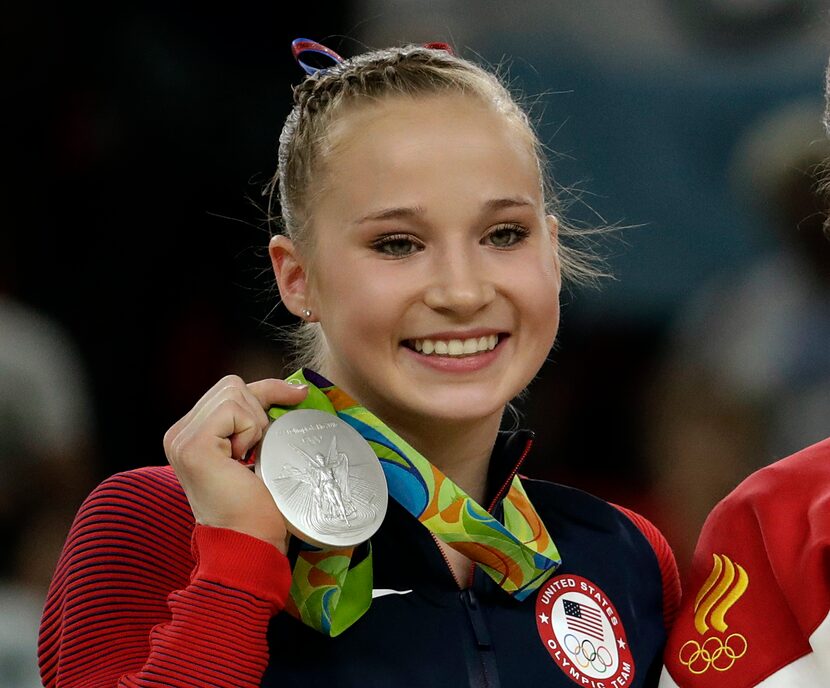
{"points": [[403, 71]]}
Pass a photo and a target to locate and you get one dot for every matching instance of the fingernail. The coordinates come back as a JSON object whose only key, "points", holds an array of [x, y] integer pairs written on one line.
{"points": [[299, 385]]}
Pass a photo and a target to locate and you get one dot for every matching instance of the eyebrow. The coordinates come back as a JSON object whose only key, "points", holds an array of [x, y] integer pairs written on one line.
{"points": [[392, 214], [404, 212], [511, 202]]}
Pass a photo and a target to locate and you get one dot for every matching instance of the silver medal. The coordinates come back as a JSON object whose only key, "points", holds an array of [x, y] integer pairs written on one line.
{"points": [[324, 477]]}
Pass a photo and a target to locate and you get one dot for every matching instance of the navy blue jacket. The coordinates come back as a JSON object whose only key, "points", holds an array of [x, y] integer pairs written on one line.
{"points": [[598, 622]]}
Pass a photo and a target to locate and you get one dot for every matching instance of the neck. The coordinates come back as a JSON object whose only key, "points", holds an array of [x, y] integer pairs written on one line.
{"points": [[461, 451]]}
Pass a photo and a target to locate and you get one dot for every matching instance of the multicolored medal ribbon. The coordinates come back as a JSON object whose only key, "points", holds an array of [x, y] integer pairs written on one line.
{"points": [[329, 594]]}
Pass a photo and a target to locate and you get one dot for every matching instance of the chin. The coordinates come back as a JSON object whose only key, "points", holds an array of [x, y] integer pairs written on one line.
{"points": [[460, 406]]}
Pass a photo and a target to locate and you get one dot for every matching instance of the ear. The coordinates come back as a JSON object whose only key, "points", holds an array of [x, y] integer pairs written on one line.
{"points": [[290, 272], [553, 230]]}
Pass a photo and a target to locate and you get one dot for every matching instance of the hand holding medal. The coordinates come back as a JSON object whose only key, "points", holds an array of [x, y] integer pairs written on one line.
{"points": [[205, 448]]}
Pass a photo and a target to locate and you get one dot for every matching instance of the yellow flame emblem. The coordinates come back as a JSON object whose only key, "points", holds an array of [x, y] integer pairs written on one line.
{"points": [[724, 586]]}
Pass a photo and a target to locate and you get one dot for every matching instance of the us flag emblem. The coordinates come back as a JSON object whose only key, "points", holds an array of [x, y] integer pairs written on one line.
{"points": [[583, 619], [583, 633]]}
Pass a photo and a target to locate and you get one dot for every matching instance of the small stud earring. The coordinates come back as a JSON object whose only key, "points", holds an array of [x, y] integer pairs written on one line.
{"points": [[306, 313]]}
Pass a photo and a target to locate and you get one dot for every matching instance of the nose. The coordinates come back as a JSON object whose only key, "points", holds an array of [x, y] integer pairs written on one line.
{"points": [[460, 285]]}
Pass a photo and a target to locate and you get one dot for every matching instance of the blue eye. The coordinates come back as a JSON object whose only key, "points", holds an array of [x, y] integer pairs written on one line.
{"points": [[396, 245], [505, 236]]}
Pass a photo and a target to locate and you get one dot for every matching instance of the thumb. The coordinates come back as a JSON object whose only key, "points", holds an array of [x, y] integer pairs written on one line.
{"points": [[273, 392]]}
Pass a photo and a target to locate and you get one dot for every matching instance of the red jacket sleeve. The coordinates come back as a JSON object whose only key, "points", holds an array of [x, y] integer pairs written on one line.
{"points": [[141, 597], [760, 585], [665, 560]]}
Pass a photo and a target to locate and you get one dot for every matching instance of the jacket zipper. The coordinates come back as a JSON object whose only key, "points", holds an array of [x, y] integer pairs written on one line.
{"points": [[446, 560], [501, 494], [489, 675], [511, 475], [492, 506]]}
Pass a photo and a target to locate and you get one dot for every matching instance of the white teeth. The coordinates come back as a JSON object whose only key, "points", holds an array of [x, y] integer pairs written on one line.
{"points": [[456, 347]]}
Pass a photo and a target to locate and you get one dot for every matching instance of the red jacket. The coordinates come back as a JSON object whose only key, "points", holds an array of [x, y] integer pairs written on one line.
{"points": [[759, 603]]}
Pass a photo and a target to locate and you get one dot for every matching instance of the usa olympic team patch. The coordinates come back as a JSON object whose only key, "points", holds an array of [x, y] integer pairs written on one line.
{"points": [[583, 633]]}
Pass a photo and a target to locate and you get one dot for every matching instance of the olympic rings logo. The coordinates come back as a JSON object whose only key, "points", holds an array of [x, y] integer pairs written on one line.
{"points": [[598, 658], [713, 654]]}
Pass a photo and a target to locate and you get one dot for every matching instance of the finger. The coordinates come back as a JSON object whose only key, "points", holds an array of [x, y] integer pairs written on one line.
{"points": [[245, 439], [210, 398], [240, 394], [271, 392], [229, 430]]}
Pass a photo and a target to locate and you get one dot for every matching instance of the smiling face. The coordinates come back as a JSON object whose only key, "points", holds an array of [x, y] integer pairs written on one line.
{"points": [[434, 271]]}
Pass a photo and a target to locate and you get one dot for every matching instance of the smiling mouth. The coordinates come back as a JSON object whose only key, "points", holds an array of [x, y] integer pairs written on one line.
{"points": [[454, 347]]}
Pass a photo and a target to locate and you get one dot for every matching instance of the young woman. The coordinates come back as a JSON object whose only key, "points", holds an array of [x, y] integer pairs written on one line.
{"points": [[420, 250]]}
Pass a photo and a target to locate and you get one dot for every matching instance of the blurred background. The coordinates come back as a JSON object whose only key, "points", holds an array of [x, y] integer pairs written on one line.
{"points": [[133, 272]]}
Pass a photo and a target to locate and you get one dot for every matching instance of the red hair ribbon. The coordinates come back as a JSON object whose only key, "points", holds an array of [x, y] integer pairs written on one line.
{"points": [[440, 46]]}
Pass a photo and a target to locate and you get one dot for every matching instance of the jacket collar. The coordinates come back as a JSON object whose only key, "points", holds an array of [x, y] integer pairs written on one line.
{"points": [[509, 453]]}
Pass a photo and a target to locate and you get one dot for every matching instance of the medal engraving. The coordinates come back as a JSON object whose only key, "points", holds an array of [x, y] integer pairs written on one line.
{"points": [[324, 477]]}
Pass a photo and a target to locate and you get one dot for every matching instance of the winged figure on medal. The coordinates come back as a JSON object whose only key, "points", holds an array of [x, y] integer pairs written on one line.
{"points": [[333, 498]]}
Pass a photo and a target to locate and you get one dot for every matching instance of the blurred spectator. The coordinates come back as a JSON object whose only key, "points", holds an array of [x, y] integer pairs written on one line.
{"points": [[747, 378], [46, 467]]}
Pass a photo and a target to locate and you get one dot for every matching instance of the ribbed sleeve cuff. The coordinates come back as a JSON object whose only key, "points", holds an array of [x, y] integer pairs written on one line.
{"points": [[665, 560], [241, 562]]}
